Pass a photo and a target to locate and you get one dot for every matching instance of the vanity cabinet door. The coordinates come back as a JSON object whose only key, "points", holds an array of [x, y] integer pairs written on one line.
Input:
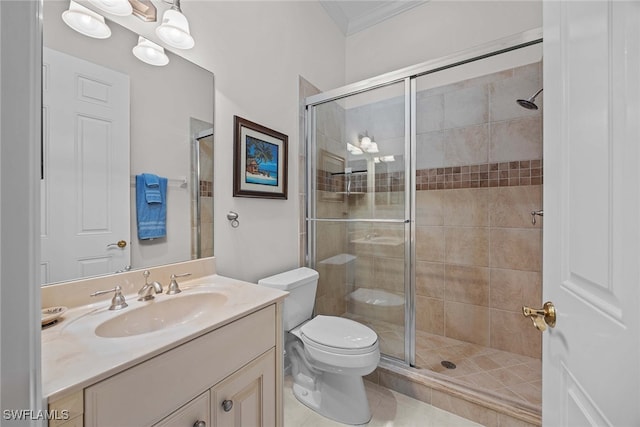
{"points": [[194, 414], [248, 397], [148, 392]]}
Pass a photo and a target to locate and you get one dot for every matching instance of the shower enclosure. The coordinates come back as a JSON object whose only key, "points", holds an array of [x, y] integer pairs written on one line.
{"points": [[421, 186], [202, 189]]}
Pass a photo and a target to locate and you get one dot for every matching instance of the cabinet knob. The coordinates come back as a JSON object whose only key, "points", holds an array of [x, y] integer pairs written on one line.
{"points": [[200, 424], [227, 405]]}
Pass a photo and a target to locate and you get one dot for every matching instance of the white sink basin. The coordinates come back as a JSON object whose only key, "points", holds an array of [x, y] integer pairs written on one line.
{"points": [[157, 315]]}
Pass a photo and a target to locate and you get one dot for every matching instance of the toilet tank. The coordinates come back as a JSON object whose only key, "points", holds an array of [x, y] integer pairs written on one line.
{"points": [[301, 284]]}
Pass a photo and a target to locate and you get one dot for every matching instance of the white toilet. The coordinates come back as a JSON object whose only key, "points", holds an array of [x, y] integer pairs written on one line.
{"points": [[328, 354]]}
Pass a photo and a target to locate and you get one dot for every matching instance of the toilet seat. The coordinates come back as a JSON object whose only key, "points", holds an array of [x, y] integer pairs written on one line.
{"points": [[338, 335]]}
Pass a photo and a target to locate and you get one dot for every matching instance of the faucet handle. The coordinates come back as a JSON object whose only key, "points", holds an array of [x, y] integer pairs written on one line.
{"points": [[173, 286], [117, 302]]}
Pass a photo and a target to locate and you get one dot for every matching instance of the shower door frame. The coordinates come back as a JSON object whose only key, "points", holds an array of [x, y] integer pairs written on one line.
{"points": [[409, 76]]}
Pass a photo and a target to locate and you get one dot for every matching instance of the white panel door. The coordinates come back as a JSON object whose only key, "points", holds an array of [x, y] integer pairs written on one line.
{"points": [[591, 359], [86, 185]]}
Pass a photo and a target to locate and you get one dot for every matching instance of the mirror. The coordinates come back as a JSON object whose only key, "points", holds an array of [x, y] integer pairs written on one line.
{"points": [[169, 127]]}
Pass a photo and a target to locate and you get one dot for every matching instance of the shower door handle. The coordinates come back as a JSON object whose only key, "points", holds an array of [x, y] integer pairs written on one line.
{"points": [[543, 317]]}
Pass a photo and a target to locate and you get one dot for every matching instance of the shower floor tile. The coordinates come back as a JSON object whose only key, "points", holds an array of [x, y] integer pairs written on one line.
{"points": [[503, 374]]}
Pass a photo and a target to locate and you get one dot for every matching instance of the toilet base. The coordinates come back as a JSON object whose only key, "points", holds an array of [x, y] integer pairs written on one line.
{"points": [[341, 398]]}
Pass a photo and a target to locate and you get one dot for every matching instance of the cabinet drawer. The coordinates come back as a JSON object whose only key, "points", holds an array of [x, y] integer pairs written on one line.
{"points": [[148, 392], [73, 405], [190, 414]]}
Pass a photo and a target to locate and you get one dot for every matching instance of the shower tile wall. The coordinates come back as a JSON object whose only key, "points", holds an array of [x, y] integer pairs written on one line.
{"points": [[478, 255], [479, 175], [332, 259]]}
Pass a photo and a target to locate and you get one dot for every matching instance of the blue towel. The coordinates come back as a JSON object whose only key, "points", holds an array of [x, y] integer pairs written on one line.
{"points": [[151, 180], [152, 188], [151, 208]]}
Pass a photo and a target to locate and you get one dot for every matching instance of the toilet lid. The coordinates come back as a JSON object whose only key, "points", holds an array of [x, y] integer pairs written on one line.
{"points": [[339, 332]]}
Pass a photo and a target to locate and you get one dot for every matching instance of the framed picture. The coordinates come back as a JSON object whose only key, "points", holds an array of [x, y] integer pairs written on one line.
{"points": [[259, 161]]}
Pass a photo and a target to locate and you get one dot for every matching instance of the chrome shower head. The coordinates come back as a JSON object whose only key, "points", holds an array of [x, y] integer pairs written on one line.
{"points": [[529, 103]]}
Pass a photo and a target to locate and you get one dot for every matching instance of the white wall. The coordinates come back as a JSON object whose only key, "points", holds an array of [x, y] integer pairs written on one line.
{"points": [[433, 30], [257, 50]]}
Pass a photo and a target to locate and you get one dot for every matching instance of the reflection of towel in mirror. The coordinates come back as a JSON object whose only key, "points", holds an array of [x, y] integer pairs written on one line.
{"points": [[151, 206]]}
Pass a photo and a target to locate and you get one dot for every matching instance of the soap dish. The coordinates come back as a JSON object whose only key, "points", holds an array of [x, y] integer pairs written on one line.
{"points": [[51, 314]]}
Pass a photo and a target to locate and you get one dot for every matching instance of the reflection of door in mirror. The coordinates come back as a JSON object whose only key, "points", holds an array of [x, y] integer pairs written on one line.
{"points": [[86, 166], [202, 194], [164, 102]]}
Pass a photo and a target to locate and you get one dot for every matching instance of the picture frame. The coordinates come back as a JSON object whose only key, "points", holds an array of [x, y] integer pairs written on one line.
{"points": [[259, 161]]}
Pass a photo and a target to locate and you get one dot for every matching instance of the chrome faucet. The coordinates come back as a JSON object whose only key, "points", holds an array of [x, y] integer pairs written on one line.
{"points": [[117, 302], [173, 286], [147, 292]]}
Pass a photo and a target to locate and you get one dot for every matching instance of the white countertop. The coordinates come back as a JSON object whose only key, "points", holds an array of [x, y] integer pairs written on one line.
{"points": [[74, 357]]}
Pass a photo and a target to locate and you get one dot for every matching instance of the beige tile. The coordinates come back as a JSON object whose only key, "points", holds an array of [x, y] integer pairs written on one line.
{"points": [[482, 381], [430, 243], [517, 139], [512, 206], [467, 246], [467, 284], [468, 410], [364, 271], [389, 274], [507, 421], [514, 333], [430, 150], [466, 107], [517, 249], [429, 209], [429, 113], [528, 393], [525, 82], [405, 386], [506, 376], [511, 289], [430, 279], [467, 322], [430, 315], [467, 145], [466, 207]]}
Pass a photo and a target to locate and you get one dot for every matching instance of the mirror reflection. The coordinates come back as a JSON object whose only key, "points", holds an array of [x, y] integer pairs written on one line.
{"points": [[108, 117]]}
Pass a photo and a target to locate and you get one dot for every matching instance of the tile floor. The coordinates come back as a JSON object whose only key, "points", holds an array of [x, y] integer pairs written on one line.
{"points": [[390, 409], [504, 374]]}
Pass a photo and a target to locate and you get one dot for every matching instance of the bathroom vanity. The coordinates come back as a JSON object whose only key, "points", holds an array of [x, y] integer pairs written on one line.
{"points": [[220, 364]]}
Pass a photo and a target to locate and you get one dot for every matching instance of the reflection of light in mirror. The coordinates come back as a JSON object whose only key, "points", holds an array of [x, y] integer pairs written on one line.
{"points": [[150, 53], [353, 149], [86, 21], [114, 7]]}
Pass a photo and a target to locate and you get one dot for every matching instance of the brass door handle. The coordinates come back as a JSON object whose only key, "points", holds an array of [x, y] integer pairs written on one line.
{"points": [[541, 317], [121, 244]]}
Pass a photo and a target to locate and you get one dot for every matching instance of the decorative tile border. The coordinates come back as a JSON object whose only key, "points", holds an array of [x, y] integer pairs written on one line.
{"points": [[503, 174], [500, 174], [206, 188]]}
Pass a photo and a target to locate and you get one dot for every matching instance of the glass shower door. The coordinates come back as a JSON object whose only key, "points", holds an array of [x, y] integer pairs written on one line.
{"points": [[358, 211]]}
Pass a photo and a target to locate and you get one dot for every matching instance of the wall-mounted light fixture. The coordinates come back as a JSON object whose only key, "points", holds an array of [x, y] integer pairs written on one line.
{"points": [[86, 21], [174, 29], [149, 52]]}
